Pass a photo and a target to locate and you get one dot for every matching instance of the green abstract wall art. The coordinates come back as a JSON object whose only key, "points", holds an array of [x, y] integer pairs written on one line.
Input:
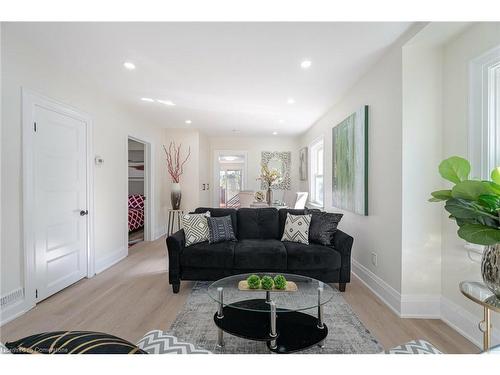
{"points": [[350, 163]]}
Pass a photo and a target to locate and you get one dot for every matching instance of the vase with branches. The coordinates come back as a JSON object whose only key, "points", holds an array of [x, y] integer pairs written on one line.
{"points": [[270, 178], [175, 168]]}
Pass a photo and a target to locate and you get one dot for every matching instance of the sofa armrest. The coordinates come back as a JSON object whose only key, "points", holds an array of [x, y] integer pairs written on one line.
{"points": [[175, 244], [342, 242]]}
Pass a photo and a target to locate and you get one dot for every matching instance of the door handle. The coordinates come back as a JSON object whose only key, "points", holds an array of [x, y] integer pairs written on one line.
{"points": [[84, 212]]}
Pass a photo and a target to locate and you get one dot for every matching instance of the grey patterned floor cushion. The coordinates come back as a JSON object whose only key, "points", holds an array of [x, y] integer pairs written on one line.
{"points": [[415, 347], [158, 342]]}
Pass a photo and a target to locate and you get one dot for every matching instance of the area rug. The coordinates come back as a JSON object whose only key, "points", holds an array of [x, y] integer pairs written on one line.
{"points": [[346, 334]]}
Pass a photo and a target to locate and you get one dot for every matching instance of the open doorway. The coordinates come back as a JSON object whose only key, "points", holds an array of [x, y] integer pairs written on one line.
{"points": [[230, 177], [136, 191]]}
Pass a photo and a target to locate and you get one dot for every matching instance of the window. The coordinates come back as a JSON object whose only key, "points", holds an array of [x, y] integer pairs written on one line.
{"points": [[484, 121], [316, 175]]}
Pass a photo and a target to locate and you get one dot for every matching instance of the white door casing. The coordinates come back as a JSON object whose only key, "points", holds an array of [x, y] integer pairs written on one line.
{"points": [[57, 188]]}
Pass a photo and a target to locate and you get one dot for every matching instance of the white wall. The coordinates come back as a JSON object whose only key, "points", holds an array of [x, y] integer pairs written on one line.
{"points": [[380, 232], [254, 147], [422, 153], [23, 67], [456, 266], [205, 171]]}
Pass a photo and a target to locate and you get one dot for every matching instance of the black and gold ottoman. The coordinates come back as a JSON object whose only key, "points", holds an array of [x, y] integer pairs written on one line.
{"points": [[73, 342]]}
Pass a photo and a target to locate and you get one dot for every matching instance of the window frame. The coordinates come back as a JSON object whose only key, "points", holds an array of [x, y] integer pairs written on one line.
{"points": [[313, 161], [484, 113]]}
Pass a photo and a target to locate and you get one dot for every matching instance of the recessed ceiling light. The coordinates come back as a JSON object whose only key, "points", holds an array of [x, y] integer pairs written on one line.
{"points": [[291, 101], [275, 133], [306, 64], [281, 121], [128, 65], [166, 102], [188, 121], [147, 100]]}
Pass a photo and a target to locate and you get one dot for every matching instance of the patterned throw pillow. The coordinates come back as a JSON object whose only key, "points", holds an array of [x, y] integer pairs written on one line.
{"points": [[297, 228], [159, 342], [73, 342], [136, 201], [220, 229], [195, 228], [323, 227]]}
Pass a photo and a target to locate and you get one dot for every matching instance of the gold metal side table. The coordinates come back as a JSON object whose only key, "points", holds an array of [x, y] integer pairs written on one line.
{"points": [[480, 294]]}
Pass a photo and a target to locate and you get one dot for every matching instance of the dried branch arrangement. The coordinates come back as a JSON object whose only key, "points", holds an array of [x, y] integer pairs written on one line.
{"points": [[175, 166]]}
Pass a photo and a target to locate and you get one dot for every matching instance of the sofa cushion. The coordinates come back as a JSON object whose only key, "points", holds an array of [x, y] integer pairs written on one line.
{"points": [[311, 257], [323, 227], [282, 213], [258, 223], [205, 255], [220, 229], [218, 212], [195, 228], [260, 255], [297, 228]]}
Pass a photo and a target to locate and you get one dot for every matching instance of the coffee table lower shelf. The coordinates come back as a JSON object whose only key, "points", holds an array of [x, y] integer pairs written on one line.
{"points": [[295, 330]]}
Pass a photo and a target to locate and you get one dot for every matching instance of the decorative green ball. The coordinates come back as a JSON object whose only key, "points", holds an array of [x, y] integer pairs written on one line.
{"points": [[253, 282], [267, 282], [280, 282]]}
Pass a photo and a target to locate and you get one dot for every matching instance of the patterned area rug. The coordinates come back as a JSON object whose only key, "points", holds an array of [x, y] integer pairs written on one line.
{"points": [[194, 324]]}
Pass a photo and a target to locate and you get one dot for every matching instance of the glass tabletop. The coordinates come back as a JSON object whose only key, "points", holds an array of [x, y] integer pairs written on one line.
{"points": [[310, 294], [479, 293]]}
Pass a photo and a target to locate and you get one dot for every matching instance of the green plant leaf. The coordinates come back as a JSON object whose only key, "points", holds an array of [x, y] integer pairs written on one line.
{"points": [[490, 201], [454, 169], [440, 195], [495, 175], [495, 188], [462, 222], [465, 210], [461, 209], [471, 189], [479, 234]]}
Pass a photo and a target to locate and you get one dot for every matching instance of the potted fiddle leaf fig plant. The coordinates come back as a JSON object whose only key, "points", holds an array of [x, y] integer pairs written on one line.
{"points": [[475, 207]]}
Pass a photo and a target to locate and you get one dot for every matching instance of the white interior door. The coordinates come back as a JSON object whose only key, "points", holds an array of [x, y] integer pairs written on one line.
{"points": [[60, 201]]}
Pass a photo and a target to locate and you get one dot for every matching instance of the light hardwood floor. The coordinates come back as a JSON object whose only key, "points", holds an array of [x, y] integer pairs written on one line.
{"points": [[133, 297]]}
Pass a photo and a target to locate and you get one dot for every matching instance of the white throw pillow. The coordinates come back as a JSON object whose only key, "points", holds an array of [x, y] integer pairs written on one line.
{"points": [[297, 228], [195, 228]]}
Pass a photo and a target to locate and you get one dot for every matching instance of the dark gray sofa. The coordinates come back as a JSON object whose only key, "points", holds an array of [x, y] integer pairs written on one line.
{"points": [[258, 249]]}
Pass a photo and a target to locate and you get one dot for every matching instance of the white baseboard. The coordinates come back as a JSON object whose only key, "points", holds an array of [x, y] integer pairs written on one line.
{"points": [[465, 323], [12, 305], [390, 296], [110, 260], [421, 306], [160, 231], [405, 306]]}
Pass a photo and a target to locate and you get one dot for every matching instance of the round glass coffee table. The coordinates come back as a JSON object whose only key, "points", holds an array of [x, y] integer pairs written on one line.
{"points": [[276, 317]]}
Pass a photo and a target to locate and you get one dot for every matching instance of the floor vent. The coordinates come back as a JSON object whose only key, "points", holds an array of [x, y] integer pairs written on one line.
{"points": [[12, 297]]}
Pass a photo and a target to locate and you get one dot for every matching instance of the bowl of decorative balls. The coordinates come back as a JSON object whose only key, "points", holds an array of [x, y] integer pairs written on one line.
{"points": [[278, 283]]}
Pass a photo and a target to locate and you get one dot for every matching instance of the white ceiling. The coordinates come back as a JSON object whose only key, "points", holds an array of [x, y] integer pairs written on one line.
{"points": [[222, 76]]}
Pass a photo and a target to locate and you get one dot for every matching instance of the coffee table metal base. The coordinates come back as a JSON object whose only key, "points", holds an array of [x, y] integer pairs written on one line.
{"points": [[295, 330]]}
